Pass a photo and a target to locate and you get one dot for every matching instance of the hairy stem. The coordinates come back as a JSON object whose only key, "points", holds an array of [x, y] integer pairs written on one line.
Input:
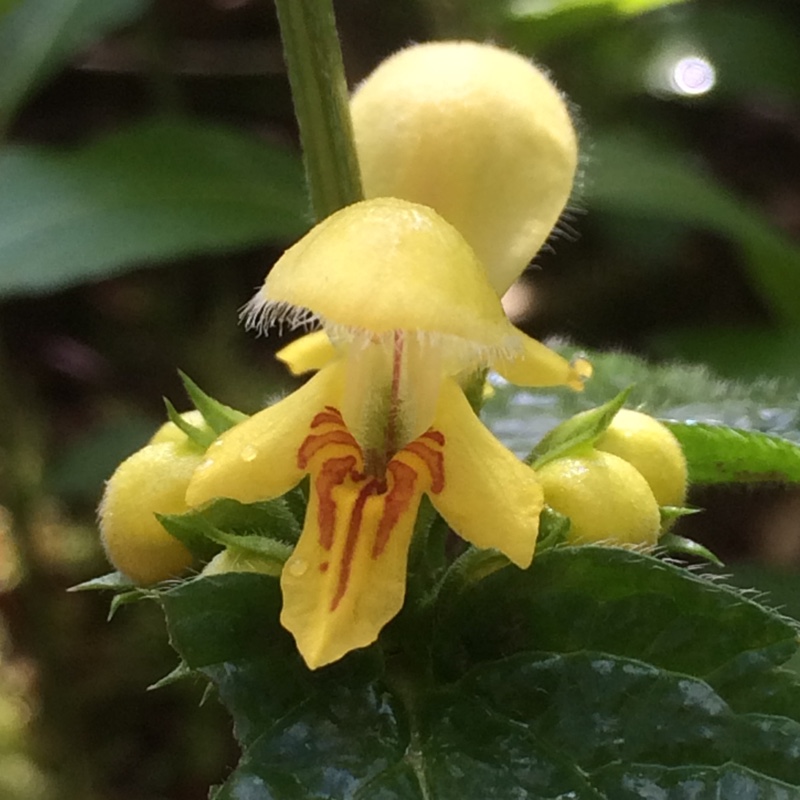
{"points": [[319, 90]]}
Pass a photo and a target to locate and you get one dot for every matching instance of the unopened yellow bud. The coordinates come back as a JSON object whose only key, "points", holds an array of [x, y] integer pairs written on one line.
{"points": [[477, 133], [653, 449], [153, 480], [606, 499]]}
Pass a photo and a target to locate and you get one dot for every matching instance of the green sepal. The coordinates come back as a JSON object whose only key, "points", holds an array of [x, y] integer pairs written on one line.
{"points": [[111, 582], [228, 522], [125, 598], [680, 544], [180, 672], [670, 513], [218, 416], [553, 529], [577, 432], [196, 436], [719, 454]]}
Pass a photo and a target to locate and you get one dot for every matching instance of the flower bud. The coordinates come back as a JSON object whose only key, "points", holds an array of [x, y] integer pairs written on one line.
{"points": [[153, 480], [477, 133], [652, 449], [606, 499]]}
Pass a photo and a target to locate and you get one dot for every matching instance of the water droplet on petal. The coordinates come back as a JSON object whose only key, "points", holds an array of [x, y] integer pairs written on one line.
{"points": [[249, 453], [297, 567]]}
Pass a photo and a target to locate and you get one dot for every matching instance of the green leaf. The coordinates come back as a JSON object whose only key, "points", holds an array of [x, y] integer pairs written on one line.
{"points": [[576, 432], [572, 721], [614, 601], [547, 8], [641, 178], [37, 37], [218, 416], [159, 190], [718, 454], [642, 716], [678, 392], [263, 529]]}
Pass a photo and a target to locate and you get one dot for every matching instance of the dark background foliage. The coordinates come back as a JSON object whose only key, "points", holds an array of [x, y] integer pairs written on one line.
{"points": [[123, 258]]}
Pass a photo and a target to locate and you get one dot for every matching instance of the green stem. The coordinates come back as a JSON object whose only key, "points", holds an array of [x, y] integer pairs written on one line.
{"points": [[319, 89]]}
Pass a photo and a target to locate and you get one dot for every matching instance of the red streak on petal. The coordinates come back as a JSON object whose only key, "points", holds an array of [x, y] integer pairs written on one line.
{"points": [[323, 567], [353, 531], [436, 436], [395, 504], [329, 415], [332, 474], [434, 461], [314, 443]]}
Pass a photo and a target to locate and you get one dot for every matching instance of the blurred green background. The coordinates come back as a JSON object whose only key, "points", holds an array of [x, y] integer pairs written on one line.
{"points": [[149, 174]]}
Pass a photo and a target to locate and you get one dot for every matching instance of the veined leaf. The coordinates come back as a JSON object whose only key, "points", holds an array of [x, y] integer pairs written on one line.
{"points": [[156, 191], [718, 454], [680, 392], [675, 712]]}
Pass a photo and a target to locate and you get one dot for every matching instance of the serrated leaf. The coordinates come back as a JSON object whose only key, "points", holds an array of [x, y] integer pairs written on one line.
{"points": [[37, 37], [264, 528], [267, 517], [573, 722], [616, 601], [576, 432], [677, 392], [218, 416], [156, 191], [717, 454]]}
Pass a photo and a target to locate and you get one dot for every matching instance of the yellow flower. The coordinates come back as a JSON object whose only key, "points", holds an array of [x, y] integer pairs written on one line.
{"points": [[480, 135], [407, 307]]}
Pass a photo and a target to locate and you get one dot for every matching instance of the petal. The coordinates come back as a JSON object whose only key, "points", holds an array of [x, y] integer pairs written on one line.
{"points": [[257, 459], [383, 265], [538, 365], [490, 498], [308, 353], [347, 576]]}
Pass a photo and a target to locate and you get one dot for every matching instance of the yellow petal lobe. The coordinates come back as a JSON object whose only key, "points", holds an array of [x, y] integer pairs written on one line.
{"points": [[538, 365], [490, 498], [257, 459], [308, 353], [346, 578]]}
